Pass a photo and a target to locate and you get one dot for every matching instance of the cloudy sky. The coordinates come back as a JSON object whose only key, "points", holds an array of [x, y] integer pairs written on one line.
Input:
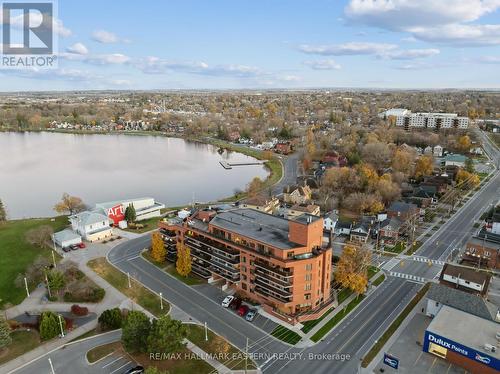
{"points": [[220, 44]]}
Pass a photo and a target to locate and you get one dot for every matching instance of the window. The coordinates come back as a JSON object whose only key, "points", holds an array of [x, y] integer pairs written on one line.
{"points": [[243, 259], [309, 267], [290, 254], [308, 277], [307, 287], [244, 286], [307, 296]]}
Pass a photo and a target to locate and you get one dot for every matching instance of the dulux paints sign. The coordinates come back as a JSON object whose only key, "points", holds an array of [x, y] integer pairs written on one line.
{"points": [[481, 357]]}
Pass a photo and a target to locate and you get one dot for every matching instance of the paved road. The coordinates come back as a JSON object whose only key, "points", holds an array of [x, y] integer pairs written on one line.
{"points": [[353, 336], [70, 358], [289, 173]]}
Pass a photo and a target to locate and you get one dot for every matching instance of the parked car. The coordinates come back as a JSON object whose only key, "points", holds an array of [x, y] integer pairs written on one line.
{"points": [[227, 301], [137, 370], [243, 310], [66, 249], [235, 304], [251, 315], [81, 245], [74, 247]]}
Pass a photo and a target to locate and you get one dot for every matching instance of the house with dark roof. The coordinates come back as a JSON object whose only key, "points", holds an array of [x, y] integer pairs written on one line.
{"points": [[390, 230], [439, 295], [403, 211], [465, 279], [360, 232]]}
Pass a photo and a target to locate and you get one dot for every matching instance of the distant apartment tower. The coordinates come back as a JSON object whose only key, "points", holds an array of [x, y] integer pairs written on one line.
{"points": [[436, 121], [281, 264]]}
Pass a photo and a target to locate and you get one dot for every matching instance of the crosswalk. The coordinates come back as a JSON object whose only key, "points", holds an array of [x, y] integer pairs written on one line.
{"points": [[409, 277], [425, 259]]}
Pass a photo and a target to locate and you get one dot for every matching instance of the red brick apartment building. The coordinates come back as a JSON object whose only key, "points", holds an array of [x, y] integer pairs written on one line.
{"points": [[276, 262]]}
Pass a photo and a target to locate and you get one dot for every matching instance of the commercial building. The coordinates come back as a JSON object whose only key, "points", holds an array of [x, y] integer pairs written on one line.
{"points": [[464, 339], [145, 207], [281, 264], [436, 121], [482, 253]]}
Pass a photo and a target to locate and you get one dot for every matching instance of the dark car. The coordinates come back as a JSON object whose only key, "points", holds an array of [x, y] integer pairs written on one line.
{"points": [[235, 304], [66, 249], [243, 310], [137, 370]]}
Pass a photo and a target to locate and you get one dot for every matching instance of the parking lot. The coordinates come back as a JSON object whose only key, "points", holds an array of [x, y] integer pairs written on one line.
{"points": [[408, 349], [217, 295], [113, 364]]}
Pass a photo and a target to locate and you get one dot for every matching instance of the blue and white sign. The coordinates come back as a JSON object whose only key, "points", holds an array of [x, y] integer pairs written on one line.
{"points": [[391, 361], [470, 353]]}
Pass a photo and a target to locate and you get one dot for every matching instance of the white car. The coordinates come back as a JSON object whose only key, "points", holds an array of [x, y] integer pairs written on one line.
{"points": [[227, 301]]}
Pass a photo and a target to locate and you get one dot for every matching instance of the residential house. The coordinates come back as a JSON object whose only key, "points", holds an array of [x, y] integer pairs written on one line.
{"points": [[360, 232], [439, 295], [66, 237], [261, 203], [403, 211], [342, 228], [300, 209], [437, 151], [297, 194], [465, 279], [284, 148], [440, 182], [330, 221], [428, 150], [390, 230], [482, 253]]}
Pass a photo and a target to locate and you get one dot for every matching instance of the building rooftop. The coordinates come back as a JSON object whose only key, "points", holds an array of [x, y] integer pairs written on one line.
{"points": [[487, 244], [257, 225], [90, 217], [463, 301], [467, 274], [466, 329], [66, 235]]}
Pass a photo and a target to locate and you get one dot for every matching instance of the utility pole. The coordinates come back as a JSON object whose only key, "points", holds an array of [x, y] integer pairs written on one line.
{"points": [[206, 332], [48, 285], [128, 276], [54, 258]]}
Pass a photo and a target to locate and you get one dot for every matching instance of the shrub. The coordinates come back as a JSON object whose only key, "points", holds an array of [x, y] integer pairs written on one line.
{"points": [[78, 310], [111, 319]]}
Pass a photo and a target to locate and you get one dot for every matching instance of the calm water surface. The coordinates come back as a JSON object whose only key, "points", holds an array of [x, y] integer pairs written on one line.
{"points": [[37, 168]]}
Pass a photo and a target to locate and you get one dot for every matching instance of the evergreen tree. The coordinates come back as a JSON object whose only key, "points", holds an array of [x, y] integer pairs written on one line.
{"points": [[5, 338], [3, 213], [183, 264], [167, 335], [111, 319], [135, 331], [130, 213], [50, 325]]}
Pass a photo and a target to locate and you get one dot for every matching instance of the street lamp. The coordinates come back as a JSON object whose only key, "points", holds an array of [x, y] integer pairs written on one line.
{"points": [[61, 326], [26, 285], [161, 302], [206, 332]]}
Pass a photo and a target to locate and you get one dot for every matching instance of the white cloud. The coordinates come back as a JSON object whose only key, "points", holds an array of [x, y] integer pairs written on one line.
{"points": [[323, 64], [489, 59], [354, 48], [78, 48], [17, 22], [410, 54], [442, 22], [102, 59], [106, 37]]}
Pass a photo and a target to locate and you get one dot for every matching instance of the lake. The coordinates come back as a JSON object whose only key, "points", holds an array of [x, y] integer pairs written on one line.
{"points": [[37, 168]]}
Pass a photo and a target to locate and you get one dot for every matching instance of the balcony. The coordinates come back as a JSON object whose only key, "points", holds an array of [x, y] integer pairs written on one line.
{"points": [[268, 293], [212, 244], [212, 251], [225, 270], [264, 283], [278, 279], [274, 270]]}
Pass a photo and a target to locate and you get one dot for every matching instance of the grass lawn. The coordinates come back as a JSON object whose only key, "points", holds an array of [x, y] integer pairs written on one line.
{"points": [[22, 342], [309, 325], [286, 335], [217, 345], [190, 280], [394, 326], [88, 334], [372, 270], [336, 319], [414, 248], [97, 353], [343, 294], [141, 295], [398, 248], [379, 280], [149, 224], [16, 254]]}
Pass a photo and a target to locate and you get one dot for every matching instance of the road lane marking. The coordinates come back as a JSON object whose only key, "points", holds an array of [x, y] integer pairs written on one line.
{"points": [[121, 367], [112, 362]]}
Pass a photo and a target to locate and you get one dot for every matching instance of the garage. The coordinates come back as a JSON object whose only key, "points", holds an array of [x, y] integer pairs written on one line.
{"points": [[66, 238]]}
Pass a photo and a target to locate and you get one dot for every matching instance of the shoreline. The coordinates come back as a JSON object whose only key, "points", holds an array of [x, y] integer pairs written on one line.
{"points": [[274, 166]]}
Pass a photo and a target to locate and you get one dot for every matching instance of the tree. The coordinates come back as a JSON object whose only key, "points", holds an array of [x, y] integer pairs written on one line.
{"points": [[469, 165], [3, 213], [466, 180], [50, 325], [403, 161], [130, 213], [39, 236], [135, 331], [56, 280], [183, 264], [424, 166], [111, 319], [255, 186], [158, 251], [352, 268], [377, 153], [464, 143], [5, 338], [154, 370], [167, 335], [69, 204]]}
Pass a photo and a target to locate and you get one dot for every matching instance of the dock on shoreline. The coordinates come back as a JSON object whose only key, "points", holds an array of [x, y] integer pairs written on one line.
{"points": [[229, 165]]}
